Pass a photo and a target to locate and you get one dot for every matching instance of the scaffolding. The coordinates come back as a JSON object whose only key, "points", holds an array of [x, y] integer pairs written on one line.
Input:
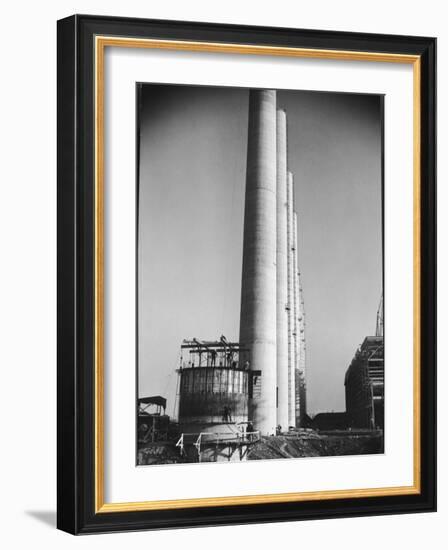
{"points": [[152, 422], [213, 447], [218, 353], [364, 385]]}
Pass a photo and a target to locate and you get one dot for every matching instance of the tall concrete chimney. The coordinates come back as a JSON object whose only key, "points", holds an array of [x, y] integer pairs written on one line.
{"points": [[302, 354], [291, 306], [258, 290], [282, 274], [296, 334]]}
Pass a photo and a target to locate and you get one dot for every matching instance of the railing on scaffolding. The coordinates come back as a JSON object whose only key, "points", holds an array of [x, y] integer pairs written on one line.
{"points": [[243, 438]]}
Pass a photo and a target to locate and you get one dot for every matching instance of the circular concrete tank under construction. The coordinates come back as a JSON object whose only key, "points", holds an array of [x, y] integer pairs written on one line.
{"points": [[213, 386], [214, 398]]}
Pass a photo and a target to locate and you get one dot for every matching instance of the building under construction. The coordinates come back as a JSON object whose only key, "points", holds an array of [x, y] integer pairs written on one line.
{"points": [[364, 381]]}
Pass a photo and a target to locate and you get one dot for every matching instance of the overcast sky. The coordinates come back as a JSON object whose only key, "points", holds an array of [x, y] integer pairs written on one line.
{"points": [[193, 143]]}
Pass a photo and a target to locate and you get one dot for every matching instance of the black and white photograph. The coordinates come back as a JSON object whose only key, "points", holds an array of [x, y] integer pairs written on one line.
{"points": [[260, 274], [246, 269]]}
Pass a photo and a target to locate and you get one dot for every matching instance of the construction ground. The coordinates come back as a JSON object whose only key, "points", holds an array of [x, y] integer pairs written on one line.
{"points": [[311, 444]]}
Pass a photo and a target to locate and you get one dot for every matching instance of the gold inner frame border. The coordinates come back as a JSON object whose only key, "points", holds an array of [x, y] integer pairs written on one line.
{"points": [[100, 44]]}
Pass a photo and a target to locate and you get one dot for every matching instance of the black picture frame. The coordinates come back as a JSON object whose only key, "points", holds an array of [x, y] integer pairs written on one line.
{"points": [[76, 510]]}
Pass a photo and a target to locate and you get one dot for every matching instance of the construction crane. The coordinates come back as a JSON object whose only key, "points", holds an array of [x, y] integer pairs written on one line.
{"points": [[379, 319]]}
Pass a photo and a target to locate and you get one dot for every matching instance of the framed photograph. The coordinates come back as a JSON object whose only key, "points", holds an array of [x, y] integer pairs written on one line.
{"points": [[246, 274]]}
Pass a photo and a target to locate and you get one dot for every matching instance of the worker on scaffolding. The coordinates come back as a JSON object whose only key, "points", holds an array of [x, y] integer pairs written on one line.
{"points": [[226, 414], [249, 431], [213, 357]]}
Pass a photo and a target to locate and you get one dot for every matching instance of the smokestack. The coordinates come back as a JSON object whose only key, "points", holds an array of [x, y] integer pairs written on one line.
{"points": [[291, 307], [296, 324], [302, 353], [258, 290], [282, 274]]}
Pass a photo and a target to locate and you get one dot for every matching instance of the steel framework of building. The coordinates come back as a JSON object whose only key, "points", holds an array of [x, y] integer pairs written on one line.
{"points": [[364, 385]]}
